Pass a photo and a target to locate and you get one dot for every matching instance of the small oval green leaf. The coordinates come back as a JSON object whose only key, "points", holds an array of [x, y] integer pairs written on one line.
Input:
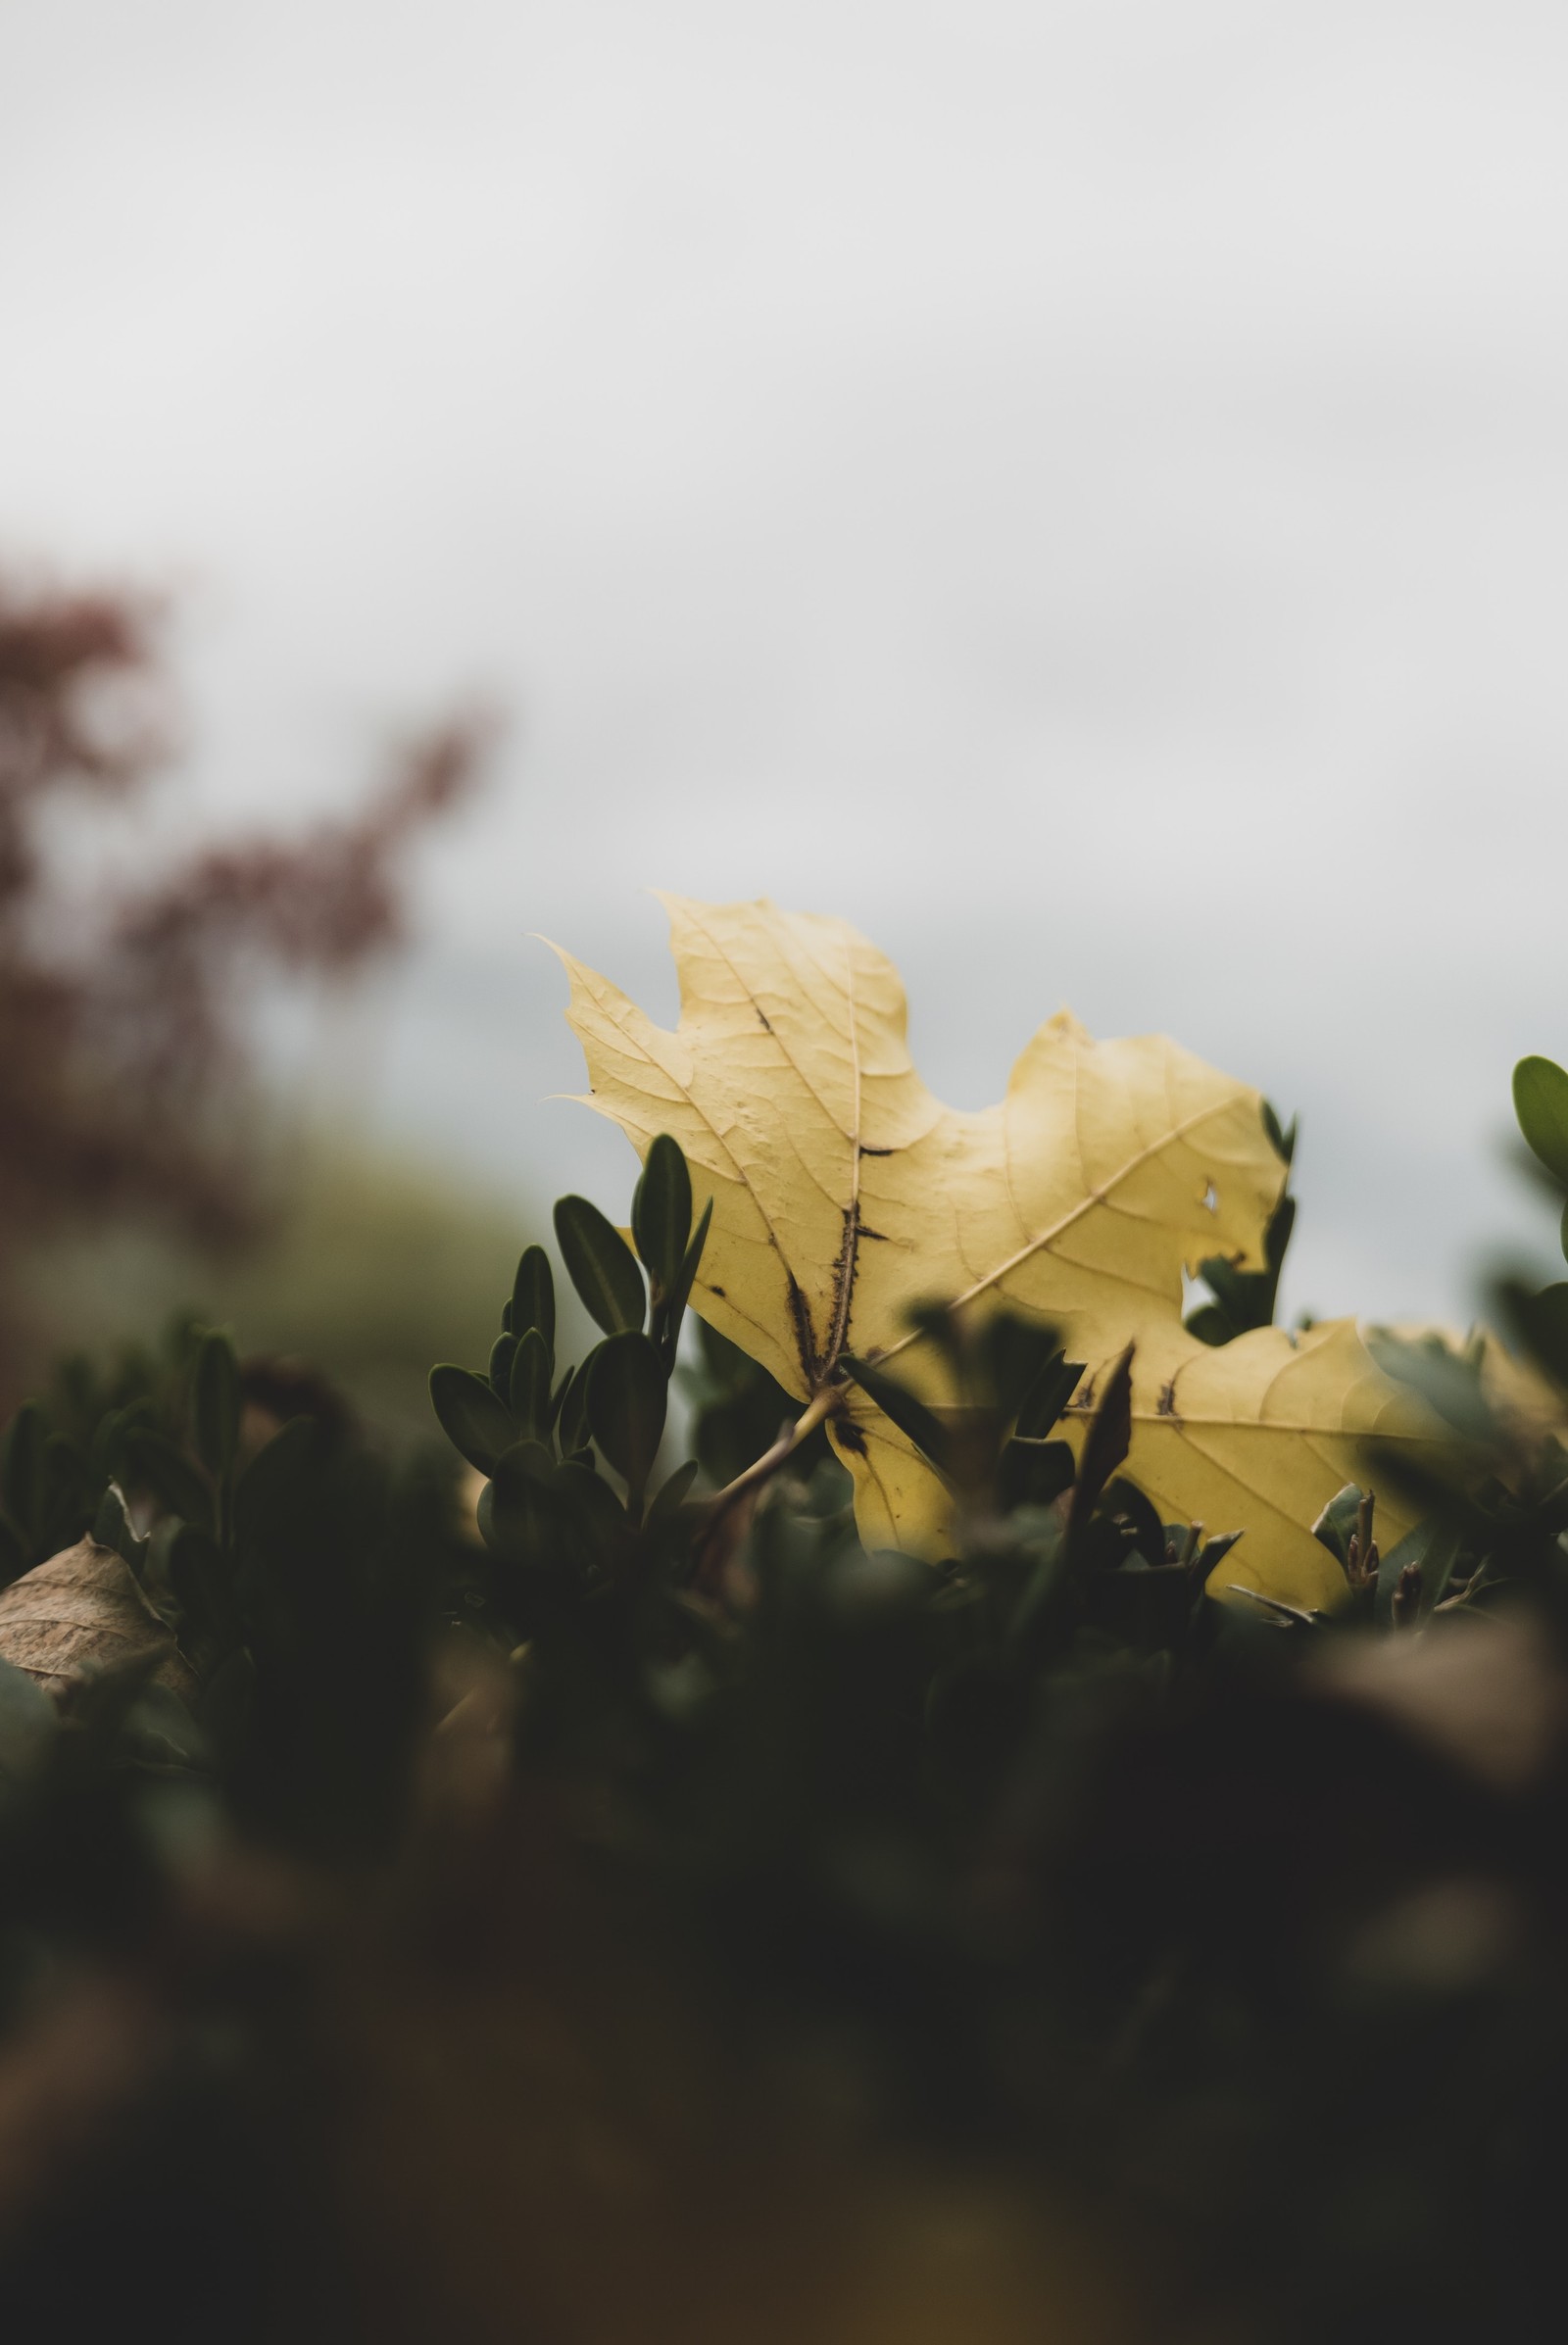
{"points": [[601, 1265], [1541, 1321], [277, 1483], [200, 1582], [21, 1466], [1048, 1396], [527, 1457], [533, 1298], [628, 1396], [671, 1494], [160, 1467], [598, 1526], [1540, 1102], [1337, 1520], [478, 1426], [529, 1391], [521, 1514], [909, 1414], [661, 1213], [501, 1357], [215, 1402], [571, 1418], [674, 1307]]}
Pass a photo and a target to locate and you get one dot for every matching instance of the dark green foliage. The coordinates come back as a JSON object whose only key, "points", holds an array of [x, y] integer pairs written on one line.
{"points": [[297, 1582], [670, 1252], [155, 1463], [907, 1412], [672, 1492], [627, 1402], [1432, 1550], [1013, 1383], [1105, 1444], [533, 1297], [501, 1352], [1449, 1382], [1540, 1102], [1247, 1299], [216, 1404], [1047, 1859], [1538, 1320], [601, 1265], [572, 1416], [1047, 1397], [528, 1391], [661, 1214], [738, 1410], [1282, 1136], [521, 1515], [1338, 1520], [44, 1486], [671, 1309], [475, 1418]]}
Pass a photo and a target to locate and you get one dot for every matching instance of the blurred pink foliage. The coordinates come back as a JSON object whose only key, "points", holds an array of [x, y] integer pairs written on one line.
{"points": [[128, 1085]]}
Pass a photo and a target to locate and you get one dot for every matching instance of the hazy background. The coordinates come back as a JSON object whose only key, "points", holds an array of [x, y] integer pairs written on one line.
{"points": [[1080, 490]]}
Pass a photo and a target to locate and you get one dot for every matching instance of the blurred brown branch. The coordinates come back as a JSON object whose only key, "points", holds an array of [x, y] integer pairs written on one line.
{"points": [[126, 1077]]}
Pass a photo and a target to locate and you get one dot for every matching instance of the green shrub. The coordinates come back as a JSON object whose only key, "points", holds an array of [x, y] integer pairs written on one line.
{"points": [[1228, 1923]]}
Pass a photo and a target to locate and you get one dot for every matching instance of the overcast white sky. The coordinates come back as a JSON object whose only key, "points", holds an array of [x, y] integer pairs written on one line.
{"points": [[1081, 490]]}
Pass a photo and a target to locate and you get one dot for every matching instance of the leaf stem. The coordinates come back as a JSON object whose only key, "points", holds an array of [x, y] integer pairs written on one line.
{"points": [[767, 1465], [725, 1504]]}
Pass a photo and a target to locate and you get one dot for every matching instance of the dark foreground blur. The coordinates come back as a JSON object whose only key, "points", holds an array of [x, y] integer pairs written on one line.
{"points": [[821, 1963], [489, 2093], [503, 2088]]}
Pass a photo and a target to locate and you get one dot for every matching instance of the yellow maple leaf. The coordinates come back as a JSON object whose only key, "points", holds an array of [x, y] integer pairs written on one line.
{"points": [[844, 1193]]}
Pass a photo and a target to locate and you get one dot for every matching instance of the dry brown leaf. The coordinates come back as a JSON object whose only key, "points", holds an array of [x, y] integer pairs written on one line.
{"points": [[81, 1613]]}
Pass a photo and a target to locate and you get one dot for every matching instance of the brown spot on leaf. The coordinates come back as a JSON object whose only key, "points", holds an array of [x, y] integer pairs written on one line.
{"points": [[844, 1269], [804, 1333]]}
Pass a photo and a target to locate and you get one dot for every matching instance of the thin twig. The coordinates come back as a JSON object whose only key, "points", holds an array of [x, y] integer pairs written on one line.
{"points": [[724, 1506], [789, 1441]]}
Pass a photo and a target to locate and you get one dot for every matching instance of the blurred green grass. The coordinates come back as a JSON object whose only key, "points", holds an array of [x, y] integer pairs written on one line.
{"points": [[375, 1265]]}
